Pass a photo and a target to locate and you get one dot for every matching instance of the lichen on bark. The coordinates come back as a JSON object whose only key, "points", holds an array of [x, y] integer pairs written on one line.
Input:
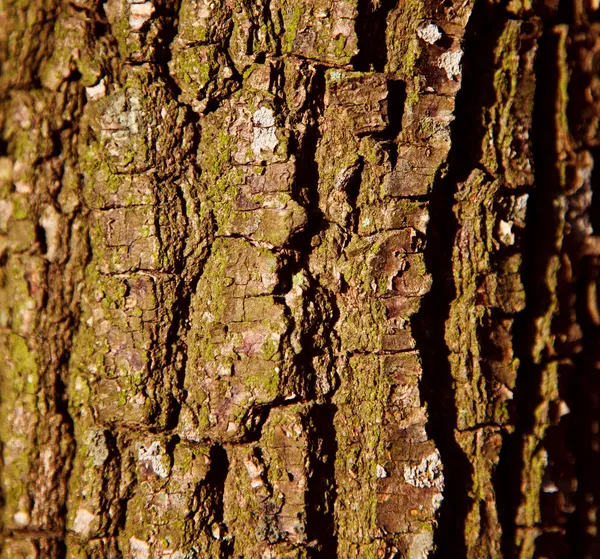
{"points": [[270, 280]]}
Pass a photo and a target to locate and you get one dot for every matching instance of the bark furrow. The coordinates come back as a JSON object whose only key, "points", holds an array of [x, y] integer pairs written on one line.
{"points": [[295, 279]]}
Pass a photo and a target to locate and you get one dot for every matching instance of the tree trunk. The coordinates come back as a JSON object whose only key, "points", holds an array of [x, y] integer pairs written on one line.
{"points": [[299, 278]]}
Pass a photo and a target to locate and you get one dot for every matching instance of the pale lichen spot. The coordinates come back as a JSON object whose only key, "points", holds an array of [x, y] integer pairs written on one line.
{"points": [[97, 447], [203, 11], [139, 14], [254, 473], [6, 212], [224, 369], [6, 170], [20, 171], [23, 116], [342, 27], [563, 408], [138, 549], [21, 519], [450, 63], [505, 234], [430, 33], [269, 554], [428, 473], [381, 472], [46, 460], [436, 500], [520, 207], [96, 91], [132, 116], [232, 427], [549, 487], [421, 545], [264, 136], [207, 316], [50, 221], [505, 393], [82, 524], [264, 118], [154, 455], [269, 279], [423, 221]]}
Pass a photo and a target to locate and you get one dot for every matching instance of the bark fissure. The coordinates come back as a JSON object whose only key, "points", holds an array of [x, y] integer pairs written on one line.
{"points": [[484, 27], [538, 251], [289, 279]]}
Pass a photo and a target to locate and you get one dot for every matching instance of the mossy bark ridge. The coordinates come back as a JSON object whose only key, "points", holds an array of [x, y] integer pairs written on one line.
{"points": [[296, 279]]}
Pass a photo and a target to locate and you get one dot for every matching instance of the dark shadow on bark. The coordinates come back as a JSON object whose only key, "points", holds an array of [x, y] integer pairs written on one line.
{"points": [[215, 482], [371, 31], [556, 498], [305, 188], [585, 410], [219, 467], [176, 350], [583, 396], [322, 490], [429, 325], [595, 181], [352, 188], [306, 192], [538, 249], [176, 353], [396, 102]]}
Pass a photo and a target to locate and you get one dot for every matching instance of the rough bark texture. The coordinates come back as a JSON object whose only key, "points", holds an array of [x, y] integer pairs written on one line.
{"points": [[299, 278]]}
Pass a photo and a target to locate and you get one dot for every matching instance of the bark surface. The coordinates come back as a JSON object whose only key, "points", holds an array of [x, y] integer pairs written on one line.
{"points": [[299, 278]]}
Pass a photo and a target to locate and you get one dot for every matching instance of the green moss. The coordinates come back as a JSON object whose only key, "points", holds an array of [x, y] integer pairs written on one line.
{"points": [[25, 146], [291, 26], [426, 129], [402, 41], [361, 413], [263, 381], [498, 119], [19, 386], [340, 46], [23, 364], [89, 68], [413, 93], [194, 68], [564, 73]]}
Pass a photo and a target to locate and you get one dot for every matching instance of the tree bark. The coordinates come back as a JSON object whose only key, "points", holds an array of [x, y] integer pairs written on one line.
{"points": [[309, 278]]}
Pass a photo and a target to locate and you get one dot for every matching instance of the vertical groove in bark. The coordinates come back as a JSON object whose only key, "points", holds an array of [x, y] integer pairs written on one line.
{"points": [[569, 500], [519, 465], [492, 170], [262, 297], [43, 251], [439, 386]]}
